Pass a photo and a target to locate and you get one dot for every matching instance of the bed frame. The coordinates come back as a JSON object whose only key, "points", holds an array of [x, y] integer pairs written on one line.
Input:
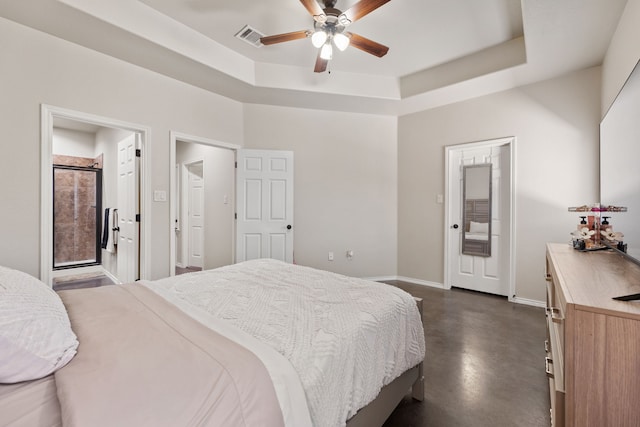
{"points": [[377, 412]]}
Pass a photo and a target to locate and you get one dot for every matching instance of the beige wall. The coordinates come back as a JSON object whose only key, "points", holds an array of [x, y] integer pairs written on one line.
{"points": [[556, 126], [623, 54], [37, 68], [219, 181], [345, 184]]}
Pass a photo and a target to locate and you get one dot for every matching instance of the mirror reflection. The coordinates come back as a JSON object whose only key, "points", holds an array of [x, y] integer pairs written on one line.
{"points": [[476, 215]]}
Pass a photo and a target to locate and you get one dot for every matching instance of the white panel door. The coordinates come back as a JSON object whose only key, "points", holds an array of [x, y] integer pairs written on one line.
{"points": [[485, 274], [265, 205], [196, 215], [128, 208]]}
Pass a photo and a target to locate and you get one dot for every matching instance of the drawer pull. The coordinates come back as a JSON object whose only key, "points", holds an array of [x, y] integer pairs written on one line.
{"points": [[554, 313], [548, 362]]}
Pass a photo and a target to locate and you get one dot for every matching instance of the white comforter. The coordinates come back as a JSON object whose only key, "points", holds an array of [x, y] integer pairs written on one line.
{"points": [[345, 337]]}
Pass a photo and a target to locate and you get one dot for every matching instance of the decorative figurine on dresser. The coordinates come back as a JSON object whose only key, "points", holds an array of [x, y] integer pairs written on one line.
{"points": [[592, 233], [593, 336]]}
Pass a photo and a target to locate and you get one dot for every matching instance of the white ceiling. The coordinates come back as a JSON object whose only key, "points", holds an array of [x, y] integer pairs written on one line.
{"points": [[440, 51], [413, 30]]}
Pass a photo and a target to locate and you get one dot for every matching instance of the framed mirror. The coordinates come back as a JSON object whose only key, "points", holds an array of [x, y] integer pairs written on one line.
{"points": [[476, 210]]}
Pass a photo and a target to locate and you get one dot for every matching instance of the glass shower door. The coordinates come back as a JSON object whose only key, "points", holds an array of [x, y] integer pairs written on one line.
{"points": [[77, 219]]}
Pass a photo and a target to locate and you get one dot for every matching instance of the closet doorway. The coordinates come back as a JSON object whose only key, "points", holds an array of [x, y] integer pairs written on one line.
{"points": [[78, 151]]}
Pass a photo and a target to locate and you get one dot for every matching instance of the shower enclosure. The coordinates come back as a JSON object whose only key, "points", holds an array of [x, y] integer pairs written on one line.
{"points": [[77, 219]]}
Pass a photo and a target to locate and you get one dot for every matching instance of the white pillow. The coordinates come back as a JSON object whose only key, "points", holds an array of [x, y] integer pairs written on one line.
{"points": [[35, 333], [478, 227]]}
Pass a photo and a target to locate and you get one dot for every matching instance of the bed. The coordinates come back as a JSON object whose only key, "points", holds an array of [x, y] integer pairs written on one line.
{"points": [[259, 343]]}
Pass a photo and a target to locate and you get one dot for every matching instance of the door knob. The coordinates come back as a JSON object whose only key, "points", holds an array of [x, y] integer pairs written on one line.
{"points": [[455, 226], [289, 227]]}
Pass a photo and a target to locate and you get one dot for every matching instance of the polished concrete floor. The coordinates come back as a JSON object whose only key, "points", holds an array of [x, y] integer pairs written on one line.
{"points": [[484, 363]]}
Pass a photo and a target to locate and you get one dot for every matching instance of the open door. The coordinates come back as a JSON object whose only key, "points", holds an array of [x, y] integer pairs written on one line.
{"points": [[264, 186], [128, 209], [195, 215]]}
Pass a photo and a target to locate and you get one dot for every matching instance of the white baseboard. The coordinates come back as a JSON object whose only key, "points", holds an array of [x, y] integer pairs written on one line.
{"points": [[380, 278], [420, 282], [516, 300], [526, 301], [406, 279], [113, 278]]}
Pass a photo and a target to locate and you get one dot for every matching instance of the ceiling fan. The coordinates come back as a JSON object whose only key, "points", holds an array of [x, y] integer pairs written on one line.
{"points": [[329, 29]]}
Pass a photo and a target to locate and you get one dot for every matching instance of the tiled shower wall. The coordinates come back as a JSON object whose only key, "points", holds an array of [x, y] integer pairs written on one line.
{"points": [[74, 219]]}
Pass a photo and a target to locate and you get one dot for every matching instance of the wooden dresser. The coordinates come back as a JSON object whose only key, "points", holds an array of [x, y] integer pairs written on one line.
{"points": [[593, 341]]}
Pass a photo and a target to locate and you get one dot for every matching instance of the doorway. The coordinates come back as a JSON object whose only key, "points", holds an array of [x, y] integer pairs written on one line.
{"points": [[55, 118], [202, 203], [479, 254]]}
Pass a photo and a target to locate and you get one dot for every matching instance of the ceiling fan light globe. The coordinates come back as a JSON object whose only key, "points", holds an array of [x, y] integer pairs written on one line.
{"points": [[326, 52], [341, 41], [318, 38]]}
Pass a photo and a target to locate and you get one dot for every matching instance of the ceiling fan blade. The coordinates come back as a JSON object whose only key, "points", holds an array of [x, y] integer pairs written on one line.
{"points": [[321, 64], [362, 8], [279, 38], [367, 45], [315, 10]]}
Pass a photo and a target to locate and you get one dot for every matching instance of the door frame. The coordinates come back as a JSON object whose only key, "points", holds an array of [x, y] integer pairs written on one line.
{"points": [[47, 115], [511, 215], [174, 137]]}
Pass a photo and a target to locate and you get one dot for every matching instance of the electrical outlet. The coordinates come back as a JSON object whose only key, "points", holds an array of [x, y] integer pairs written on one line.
{"points": [[349, 254], [330, 256]]}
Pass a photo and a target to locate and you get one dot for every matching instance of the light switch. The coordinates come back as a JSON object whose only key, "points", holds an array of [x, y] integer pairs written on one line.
{"points": [[439, 199], [159, 196]]}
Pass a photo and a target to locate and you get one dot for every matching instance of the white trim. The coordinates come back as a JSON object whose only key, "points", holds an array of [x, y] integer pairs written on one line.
{"points": [[380, 278], [113, 278], [174, 137], [421, 282], [47, 114], [407, 280], [511, 142], [526, 301], [512, 213], [515, 300]]}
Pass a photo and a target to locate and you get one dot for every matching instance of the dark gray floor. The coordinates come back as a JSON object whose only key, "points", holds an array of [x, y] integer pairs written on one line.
{"points": [[484, 363]]}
